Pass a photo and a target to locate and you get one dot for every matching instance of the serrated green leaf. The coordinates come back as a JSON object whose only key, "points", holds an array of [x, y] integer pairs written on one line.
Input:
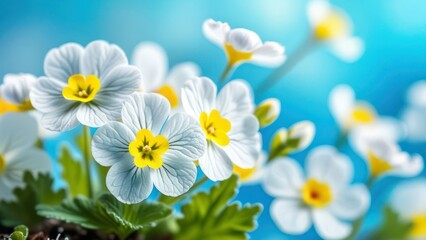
{"points": [[208, 216], [393, 227], [107, 214], [22, 210], [74, 174]]}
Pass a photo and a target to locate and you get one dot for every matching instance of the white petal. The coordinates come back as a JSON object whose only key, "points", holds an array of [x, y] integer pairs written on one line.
{"points": [[175, 177], [18, 131], [259, 171], [235, 100], [317, 11], [182, 73], [111, 143], [215, 164], [100, 58], [414, 119], [304, 131], [152, 61], [42, 132], [199, 95], [243, 40], [145, 111], [416, 94], [63, 119], [31, 159], [327, 165], [128, 183], [291, 216], [99, 111], [283, 178], [16, 87], [5, 190], [406, 166], [349, 49], [351, 203], [216, 31], [60, 63], [186, 140], [121, 81], [407, 200], [341, 102], [271, 54], [328, 226]]}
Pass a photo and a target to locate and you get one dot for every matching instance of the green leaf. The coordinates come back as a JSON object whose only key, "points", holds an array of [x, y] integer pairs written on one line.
{"points": [[107, 214], [208, 216], [73, 173], [17, 235], [393, 227], [23, 229], [22, 210]]}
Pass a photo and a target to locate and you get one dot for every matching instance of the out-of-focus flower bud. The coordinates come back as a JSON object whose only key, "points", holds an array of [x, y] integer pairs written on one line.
{"points": [[268, 111]]}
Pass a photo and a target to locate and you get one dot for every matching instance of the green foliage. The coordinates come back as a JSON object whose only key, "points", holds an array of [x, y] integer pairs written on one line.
{"points": [[17, 235], [22, 210], [73, 173], [208, 216], [23, 229], [281, 145], [107, 214], [393, 226]]}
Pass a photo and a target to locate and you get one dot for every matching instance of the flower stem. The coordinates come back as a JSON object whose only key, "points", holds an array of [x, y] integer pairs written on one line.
{"points": [[173, 200], [226, 72], [87, 157], [341, 140]]}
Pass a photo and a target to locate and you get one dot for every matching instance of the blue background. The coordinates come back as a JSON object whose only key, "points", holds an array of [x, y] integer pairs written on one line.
{"points": [[394, 33]]}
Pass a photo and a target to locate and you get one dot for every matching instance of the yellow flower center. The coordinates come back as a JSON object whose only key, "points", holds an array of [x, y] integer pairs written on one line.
{"points": [[334, 25], [363, 115], [244, 173], [147, 150], [418, 228], [26, 106], [215, 127], [168, 92], [81, 89], [2, 164], [235, 56], [378, 166], [316, 193], [6, 107]]}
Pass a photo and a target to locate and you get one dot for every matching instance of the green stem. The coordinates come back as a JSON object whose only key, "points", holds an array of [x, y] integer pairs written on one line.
{"points": [[173, 200], [226, 72], [341, 140], [87, 157]]}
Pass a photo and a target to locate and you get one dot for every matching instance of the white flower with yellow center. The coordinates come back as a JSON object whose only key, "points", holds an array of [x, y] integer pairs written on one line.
{"points": [[333, 26], [414, 115], [408, 199], [242, 45], [229, 125], [323, 198], [249, 176], [83, 85], [17, 152], [152, 61], [149, 148]]}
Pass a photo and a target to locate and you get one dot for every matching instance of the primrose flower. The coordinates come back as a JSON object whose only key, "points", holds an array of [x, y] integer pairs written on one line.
{"points": [[242, 45], [324, 198], [83, 85], [414, 115], [268, 111], [230, 128], [152, 61], [149, 148], [408, 199], [249, 176], [17, 152], [332, 25]]}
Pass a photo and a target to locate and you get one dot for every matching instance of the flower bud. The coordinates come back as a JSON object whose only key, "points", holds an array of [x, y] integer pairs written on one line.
{"points": [[268, 111]]}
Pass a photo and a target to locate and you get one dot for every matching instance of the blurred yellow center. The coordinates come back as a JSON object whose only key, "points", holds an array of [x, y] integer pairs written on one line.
{"points": [[147, 150], [378, 166], [235, 56], [244, 173], [418, 228], [81, 89], [2, 164], [316, 193], [363, 115], [215, 127], [168, 92], [7, 107], [334, 25]]}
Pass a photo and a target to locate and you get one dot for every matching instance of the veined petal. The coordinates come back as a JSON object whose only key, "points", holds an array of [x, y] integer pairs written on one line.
{"points": [[46, 95], [99, 111], [198, 95], [16, 87], [235, 100], [328, 226], [111, 144], [270, 54], [145, 111], [120, 82], [349, 49], [351, 203], [216, 31], [18, 131], [243, 40], [128, 183], [215, 163], [181, 73], [291, 216], [63, 62], [151, 59], [62, 119]]}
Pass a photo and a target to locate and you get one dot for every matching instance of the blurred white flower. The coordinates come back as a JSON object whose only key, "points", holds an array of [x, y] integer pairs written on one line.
{"points": [[408, 199], [414, 115], [268, 111], [83, 85], [18, 153], [324, 198], [152, 61], [229, 125], [149, 148], [333, 26], [249, 176]]}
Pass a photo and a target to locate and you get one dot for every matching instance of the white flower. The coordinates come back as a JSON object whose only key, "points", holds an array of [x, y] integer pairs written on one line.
{"points": [[383, 155], [231, 130], [249, 176], [242, 45], [18, 153], [83, 85], [414, 115], [409, 201], [333, 25], [152, 61], [150, 148], [268, 111], [323, 198]]}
